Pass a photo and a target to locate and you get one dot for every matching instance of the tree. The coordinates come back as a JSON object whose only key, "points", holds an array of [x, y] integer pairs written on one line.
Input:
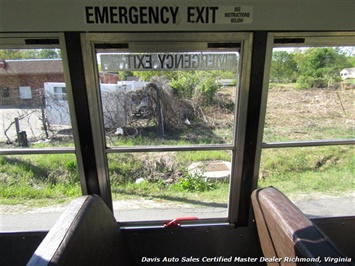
{"points": [[48, 53], [283, 67], [351, 61], [10, 54], [318, 67]]}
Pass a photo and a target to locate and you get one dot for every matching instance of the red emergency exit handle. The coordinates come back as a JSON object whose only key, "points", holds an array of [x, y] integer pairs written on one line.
{"points": [[176, 221]]}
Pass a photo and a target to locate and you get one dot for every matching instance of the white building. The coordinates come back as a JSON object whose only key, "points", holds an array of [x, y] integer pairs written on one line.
{"points": [[348, 73]]}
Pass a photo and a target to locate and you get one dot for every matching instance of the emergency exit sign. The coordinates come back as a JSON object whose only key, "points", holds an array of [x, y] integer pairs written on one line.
{"points": [[163, 15], [169, 61]]}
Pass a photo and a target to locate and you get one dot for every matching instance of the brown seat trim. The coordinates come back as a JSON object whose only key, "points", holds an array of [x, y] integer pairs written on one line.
{"points": [[85, 234], [285, 232]]}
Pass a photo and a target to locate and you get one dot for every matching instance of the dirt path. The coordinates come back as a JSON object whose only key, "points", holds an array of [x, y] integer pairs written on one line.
{"points": [[139, 204]]}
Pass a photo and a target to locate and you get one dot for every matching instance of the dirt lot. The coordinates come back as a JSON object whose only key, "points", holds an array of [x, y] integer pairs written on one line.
{"points": [[309, 114]]}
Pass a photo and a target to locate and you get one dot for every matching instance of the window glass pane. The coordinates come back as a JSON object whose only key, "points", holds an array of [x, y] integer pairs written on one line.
{"points": [[34, 190], [320, 180], [159, 186], [60, 93], [25, 92], [168, 98], [28, 80], [309, 97]]}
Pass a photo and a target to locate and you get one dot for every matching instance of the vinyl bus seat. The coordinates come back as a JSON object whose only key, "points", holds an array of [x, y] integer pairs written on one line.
{"points": [[85, 234], [286, 233]]}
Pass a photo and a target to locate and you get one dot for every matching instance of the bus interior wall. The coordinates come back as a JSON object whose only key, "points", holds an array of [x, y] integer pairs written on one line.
{"points": [[291, 20]]}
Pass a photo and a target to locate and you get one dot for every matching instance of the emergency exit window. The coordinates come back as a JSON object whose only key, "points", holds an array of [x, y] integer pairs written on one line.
{"points": [[182, 100]]}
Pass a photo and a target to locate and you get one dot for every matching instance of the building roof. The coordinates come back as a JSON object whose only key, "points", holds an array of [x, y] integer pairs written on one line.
{"points": [[348, 70], [31, 66]]}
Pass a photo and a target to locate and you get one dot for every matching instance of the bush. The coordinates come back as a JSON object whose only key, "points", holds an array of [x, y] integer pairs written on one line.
{"points": [[194, 183], [189, 84], [208, 89], [184, 84], [71, 166]]}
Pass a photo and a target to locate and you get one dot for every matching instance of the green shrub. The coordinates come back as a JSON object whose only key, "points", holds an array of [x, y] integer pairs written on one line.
{"points": [[71, 166], [194, 183]]}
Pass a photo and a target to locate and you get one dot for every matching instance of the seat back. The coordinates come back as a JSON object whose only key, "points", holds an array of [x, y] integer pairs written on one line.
{"points": [[85, 234], [285, 232]]}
